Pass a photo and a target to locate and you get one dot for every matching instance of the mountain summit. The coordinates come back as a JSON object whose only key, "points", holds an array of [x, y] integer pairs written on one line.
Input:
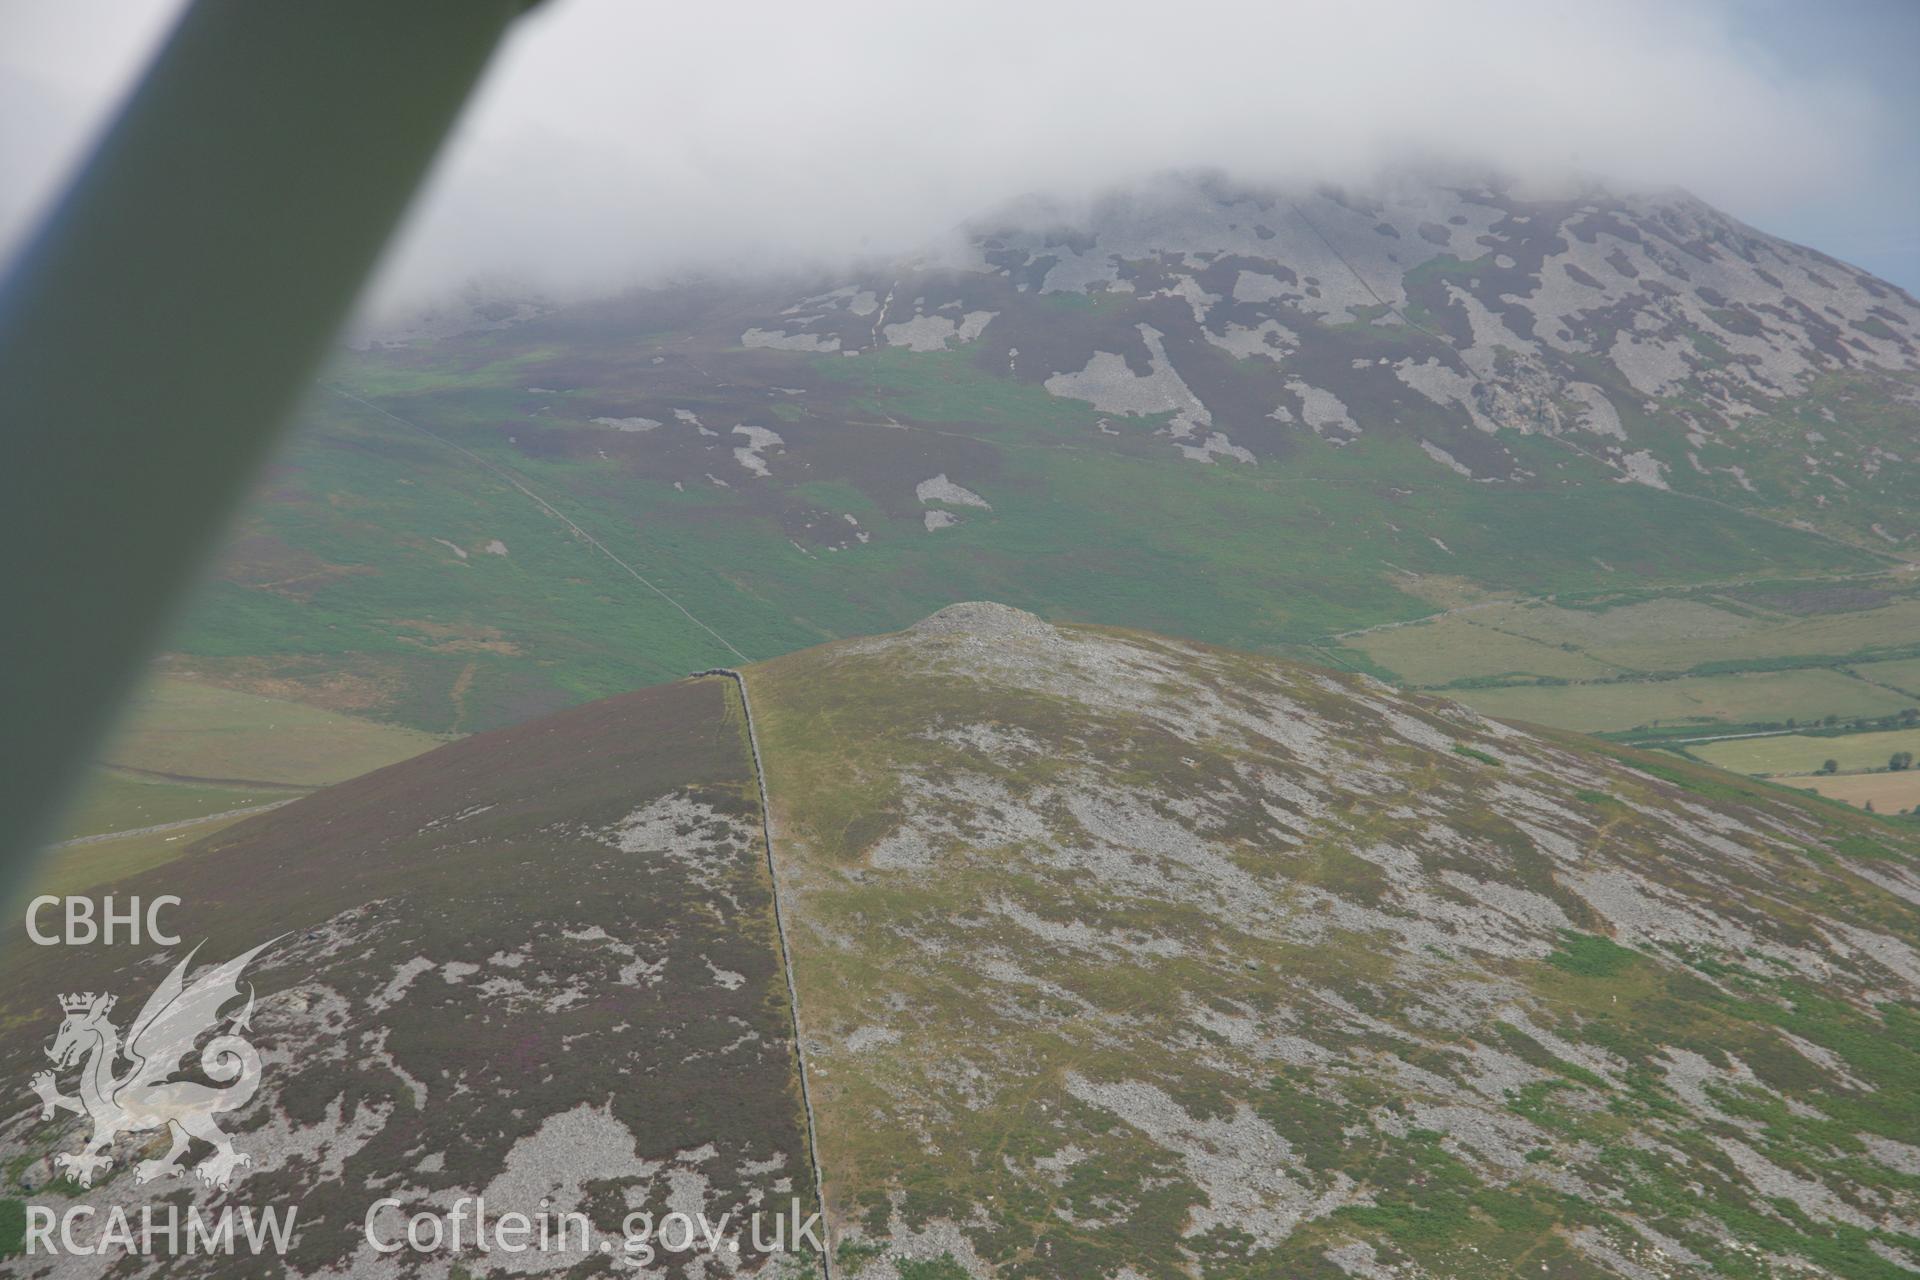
{"points": [[1641, 330]]}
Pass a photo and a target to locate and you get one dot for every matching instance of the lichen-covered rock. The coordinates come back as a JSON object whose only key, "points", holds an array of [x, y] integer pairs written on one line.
{"points": [[1123, 956]]}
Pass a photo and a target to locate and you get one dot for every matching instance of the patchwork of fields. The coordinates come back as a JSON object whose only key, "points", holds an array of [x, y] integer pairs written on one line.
{"points": [[1716, 658]]}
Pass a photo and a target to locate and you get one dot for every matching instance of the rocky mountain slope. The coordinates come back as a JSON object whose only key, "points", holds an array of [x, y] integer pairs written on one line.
{"points": [[537, 967], [1268, 419], [1114, 955], [1644, 330]]}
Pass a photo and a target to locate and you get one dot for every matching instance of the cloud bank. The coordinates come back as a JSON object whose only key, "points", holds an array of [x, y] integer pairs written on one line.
{"points": [[618, 142]]}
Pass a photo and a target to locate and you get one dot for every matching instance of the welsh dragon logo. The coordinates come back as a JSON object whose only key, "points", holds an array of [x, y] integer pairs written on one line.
{"points": [[146, 1095]]}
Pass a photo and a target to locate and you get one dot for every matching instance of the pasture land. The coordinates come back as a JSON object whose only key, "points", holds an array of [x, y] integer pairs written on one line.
{"points": [[1791, 753], [1656, 636], [1902, 674], [1743, 698], [109, 800], [1470, 646], [78, 868], [1756, 655], [183, 730]]}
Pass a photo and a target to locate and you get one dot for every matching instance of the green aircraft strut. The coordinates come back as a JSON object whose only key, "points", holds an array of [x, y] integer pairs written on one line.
{"points": [[166, 317]]}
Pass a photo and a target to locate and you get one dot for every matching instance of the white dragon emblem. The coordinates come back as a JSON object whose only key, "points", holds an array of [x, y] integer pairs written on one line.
{"points": [[146, 1096]]}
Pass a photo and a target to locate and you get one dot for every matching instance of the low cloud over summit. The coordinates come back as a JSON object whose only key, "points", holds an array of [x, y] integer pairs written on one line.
{"points": [[616, 143]]}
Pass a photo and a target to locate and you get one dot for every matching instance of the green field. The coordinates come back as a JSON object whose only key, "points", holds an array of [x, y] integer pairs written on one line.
{"points": [[1800, 753], [1686, 635], [1903, 674], [1610, 665], [1679, 632], [186, 752], [81, 867], [187, 731], [1654, 637], [114, 801], [1704, 700], [1473, 646]]}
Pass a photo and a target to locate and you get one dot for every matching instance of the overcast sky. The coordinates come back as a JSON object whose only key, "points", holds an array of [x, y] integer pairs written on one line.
{"points": [[616, 140]]}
